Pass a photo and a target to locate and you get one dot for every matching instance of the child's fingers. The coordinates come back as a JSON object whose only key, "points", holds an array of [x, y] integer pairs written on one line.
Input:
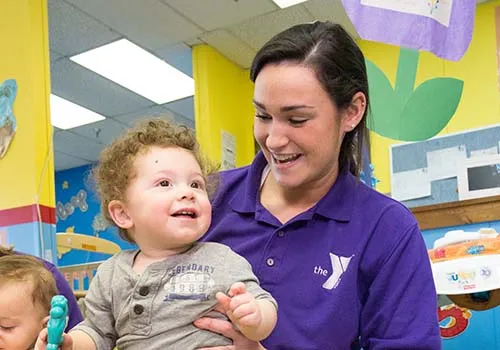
{"points": [[41, 341], [67, 343], [237, 289], [223, 300]]}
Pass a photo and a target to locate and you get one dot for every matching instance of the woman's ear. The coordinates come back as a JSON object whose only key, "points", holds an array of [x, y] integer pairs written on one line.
{"points": [[354, 112], [118, 212]]}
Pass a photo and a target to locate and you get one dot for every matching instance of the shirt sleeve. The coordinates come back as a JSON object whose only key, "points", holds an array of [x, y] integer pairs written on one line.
{"points": [[400, 308], [240, 270], [74, 314], [99, 321]]}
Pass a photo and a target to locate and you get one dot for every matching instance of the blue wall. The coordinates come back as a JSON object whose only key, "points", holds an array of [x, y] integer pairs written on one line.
{"points": [[78, 210]]}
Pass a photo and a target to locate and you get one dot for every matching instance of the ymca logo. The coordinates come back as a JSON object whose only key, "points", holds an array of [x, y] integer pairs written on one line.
{"points": [[339, 266]]}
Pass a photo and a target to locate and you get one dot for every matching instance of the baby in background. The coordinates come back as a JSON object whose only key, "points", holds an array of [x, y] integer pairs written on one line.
{"points": [[26, 289], [152, 184]]}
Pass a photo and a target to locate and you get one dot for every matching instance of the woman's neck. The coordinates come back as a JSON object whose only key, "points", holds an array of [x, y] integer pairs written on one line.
{"points": [[285, 203]]}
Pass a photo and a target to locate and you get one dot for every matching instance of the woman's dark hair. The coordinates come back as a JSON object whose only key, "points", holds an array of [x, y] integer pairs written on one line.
{"points": [[339, 65]]}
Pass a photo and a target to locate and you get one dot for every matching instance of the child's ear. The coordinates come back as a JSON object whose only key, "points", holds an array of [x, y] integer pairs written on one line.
{"points": [[118, 212]]}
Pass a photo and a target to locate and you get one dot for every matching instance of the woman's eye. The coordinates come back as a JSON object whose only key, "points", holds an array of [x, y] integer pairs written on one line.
{"points": [[297, 121], [165, 183], [262, 117]]}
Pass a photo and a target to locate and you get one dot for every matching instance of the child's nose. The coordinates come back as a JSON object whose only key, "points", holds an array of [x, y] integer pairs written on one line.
{"points": [[186, 192]]}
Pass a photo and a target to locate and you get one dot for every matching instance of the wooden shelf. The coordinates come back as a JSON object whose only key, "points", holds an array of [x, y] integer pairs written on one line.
{"points": [[470, 211]]}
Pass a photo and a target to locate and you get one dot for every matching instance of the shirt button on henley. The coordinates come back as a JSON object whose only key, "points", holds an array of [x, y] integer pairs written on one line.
{"points": [[138, 309], [281, 233], [143, 291]]}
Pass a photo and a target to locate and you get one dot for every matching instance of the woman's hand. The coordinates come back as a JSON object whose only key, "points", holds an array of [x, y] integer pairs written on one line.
{"points": [[225, 328]]}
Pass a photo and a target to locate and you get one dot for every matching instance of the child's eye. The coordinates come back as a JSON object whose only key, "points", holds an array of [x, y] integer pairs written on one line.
{"points": [[164, 183], [198, 185], [7, 329]]}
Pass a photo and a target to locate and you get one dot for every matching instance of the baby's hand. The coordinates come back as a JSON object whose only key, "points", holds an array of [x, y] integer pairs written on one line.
{"points": [[41, 342], [240, 306]]}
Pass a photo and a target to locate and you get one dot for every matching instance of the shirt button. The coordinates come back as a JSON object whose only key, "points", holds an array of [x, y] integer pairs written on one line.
{"points": [[138, 309], [281, 233], [270, 262], [143, 291]]}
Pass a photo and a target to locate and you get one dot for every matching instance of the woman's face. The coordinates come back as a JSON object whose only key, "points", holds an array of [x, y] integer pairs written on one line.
{"points": [[298, 127]]}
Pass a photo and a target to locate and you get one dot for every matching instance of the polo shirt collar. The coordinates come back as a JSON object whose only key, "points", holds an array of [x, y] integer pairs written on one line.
{"points": [[337, 204]]}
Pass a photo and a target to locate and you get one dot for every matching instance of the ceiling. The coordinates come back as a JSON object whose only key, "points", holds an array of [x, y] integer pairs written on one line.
{"points": [[166, 28]]}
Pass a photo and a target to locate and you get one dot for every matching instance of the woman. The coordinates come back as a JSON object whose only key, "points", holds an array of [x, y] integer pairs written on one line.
{"points": [[347, 265], [74, 314]]}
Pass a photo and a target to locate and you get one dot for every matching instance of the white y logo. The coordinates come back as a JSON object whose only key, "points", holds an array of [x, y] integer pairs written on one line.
{"points": [[339, 266]]}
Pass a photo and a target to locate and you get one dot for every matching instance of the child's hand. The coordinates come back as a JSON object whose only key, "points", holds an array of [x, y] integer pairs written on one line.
{"points": [[240, 306], [41, 342]]}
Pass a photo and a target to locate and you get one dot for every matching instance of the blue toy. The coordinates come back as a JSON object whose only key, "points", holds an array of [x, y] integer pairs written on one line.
{"points": [[57, 321]]}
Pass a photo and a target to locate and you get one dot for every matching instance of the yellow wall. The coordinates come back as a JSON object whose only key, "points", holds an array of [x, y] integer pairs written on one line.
{"points": [[25, 57], [480, 103], [223, 101]]}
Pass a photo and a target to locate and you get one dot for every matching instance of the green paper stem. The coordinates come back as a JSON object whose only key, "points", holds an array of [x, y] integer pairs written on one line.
{"points": [[406, 74]]}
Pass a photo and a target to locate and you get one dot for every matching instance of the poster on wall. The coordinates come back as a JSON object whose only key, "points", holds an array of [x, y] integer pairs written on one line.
{"points": [[8, 92]]}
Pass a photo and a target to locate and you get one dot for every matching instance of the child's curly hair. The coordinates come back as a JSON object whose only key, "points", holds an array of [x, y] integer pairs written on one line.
{"points": [[114, 171]]}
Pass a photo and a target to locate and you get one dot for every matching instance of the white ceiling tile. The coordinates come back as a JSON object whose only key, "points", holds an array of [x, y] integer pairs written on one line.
{"points": [[77, 146], [148, 23], [214, 14], [193, 41], [88, 89], [62, 161], [230, 46], [103, 132], [259, 30], [331, 10], [72, 31], [154, 112]]}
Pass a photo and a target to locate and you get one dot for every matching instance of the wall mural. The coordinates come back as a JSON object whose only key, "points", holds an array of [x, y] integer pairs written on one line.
{"points": [[8, 92], [405, 113]]}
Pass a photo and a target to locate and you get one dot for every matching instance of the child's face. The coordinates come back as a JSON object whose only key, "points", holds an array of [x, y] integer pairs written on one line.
{"points": [[166, 203], [20, 320]]}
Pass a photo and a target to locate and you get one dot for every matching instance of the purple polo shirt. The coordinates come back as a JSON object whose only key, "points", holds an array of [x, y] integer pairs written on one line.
{"points": [[352, 271], [74, 314]]}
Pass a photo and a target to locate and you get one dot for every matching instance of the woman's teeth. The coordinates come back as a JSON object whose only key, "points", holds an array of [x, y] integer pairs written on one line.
{"points": [[285, 158]]}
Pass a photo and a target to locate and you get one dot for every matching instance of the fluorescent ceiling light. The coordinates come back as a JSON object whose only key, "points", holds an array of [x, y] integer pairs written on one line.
{"points": [[66, 115], [287, 3], [136, 69]]}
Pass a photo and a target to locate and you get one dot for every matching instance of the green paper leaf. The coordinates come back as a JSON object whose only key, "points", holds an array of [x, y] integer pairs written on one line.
{"points": [[385, 109], [430, 108]]}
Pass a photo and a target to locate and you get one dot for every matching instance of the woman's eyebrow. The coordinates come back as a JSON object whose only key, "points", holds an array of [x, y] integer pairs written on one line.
{"points": [[284, 108]]}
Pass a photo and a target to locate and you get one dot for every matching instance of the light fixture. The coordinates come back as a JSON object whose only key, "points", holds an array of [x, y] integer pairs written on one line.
{"points": [[66, 115], [137, 70], [287, 3]]}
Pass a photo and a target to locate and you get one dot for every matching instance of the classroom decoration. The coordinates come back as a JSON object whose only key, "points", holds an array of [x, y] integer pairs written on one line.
{"points": [[405, 114], [447, 168], [66, 241], [443, 27], [8, 92], [466, 268], [64, 210]]}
